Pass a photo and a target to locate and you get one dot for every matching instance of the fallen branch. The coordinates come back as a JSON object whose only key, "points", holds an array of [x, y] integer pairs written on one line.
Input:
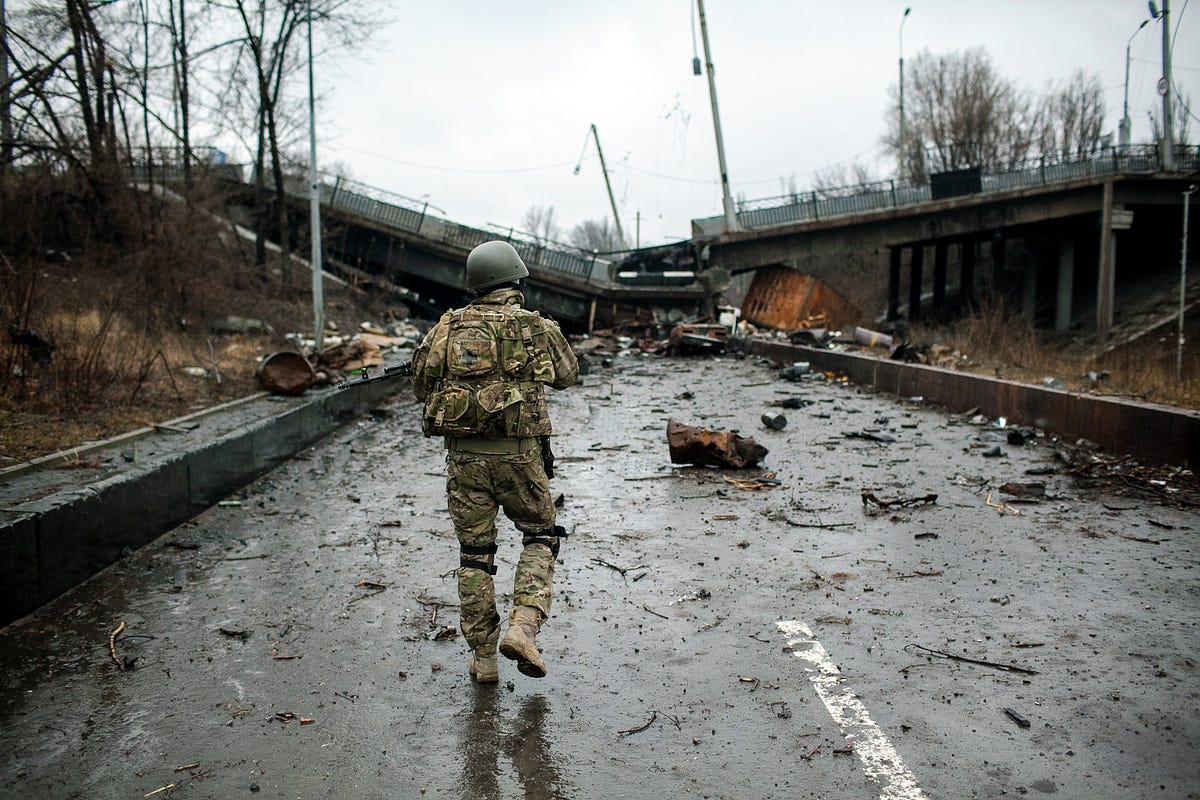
{"points": [[621, 570], [112, 647], [795, 524], [650, 610], [992, 664], [640, 728]]}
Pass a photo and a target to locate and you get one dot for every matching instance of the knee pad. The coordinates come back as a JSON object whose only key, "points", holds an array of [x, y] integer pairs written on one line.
{"points": [[549, 538], [467, 551]]}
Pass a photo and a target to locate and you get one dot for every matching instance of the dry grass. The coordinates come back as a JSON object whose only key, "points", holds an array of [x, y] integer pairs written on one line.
{"points": [[130, 323], [997, 341]]}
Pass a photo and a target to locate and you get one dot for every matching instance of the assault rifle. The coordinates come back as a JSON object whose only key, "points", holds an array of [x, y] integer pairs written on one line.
{"points": [[402, 369]]}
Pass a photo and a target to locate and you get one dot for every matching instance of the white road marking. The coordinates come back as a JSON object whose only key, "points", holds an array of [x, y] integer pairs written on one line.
{"points": [[879, 758]]}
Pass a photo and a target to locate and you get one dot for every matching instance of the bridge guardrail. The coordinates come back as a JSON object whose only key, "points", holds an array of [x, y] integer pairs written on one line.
{"points": [[823, 203], [397, 211]]}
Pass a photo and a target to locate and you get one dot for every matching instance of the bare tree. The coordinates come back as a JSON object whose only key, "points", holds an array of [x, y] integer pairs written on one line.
{"points": [[596, 236], [1070, 117], [539, 221], [960, 113], [836, 176]]}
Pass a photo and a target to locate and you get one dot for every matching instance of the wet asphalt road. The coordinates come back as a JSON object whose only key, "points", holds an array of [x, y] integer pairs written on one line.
{"points": [[298, 641]]}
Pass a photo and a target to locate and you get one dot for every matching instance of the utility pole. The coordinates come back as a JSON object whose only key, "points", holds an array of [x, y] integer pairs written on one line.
{"points": [[611, 201], [1165, 87], [731, 223], [900, 174], [314, 205]]}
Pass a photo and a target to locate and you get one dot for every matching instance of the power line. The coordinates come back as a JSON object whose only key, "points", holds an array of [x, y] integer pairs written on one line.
{"points": [[433, 168]]}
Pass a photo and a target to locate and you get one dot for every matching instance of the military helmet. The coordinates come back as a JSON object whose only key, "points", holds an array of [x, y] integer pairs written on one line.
{"points": [[493, 263]]}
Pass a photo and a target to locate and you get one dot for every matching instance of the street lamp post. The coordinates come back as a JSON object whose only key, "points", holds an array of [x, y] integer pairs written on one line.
{"points": [[1182, 284], [731, 223], [902, 131], [314, 206], [1126, 123]]}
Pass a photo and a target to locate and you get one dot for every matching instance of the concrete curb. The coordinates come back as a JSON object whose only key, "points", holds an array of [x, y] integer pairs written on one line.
{"points": [[52, 543], [1155, 433]]}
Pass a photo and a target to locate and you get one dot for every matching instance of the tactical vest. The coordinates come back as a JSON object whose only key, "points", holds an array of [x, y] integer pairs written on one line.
{"points": [[487, 374]]}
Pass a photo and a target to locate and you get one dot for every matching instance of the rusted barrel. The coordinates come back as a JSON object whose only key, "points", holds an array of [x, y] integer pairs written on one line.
{"points": [[285, 373]]}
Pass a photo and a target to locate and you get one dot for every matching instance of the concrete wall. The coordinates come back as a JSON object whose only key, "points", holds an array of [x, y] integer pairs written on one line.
{"points": [[53, 543], [1155, 433]]}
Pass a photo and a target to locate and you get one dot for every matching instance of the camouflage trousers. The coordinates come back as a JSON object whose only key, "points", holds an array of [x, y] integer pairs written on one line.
{"points": [[477, 486]]}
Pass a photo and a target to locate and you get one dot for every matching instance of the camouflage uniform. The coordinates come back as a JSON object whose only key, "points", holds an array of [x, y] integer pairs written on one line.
{"points": [[481, 373]]}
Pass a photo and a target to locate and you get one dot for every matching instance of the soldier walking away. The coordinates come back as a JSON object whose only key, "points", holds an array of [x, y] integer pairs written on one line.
{"points": [[481, 373]]}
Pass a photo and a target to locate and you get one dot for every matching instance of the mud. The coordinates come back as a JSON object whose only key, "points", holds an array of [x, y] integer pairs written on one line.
{"points": [[323, 592]]}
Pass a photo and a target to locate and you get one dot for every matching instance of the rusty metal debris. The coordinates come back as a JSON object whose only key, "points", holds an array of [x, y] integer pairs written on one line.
{"points": [[869, 499], [285, 373], [692, 445], [697, 338]]}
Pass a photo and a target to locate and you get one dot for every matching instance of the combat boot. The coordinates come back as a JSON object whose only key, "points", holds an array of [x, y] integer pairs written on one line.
{"points": [[519, 643], [485, 667]]}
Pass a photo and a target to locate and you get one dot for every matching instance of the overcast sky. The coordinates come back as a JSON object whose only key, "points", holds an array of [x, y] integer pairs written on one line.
{"points": [[483, 108]]}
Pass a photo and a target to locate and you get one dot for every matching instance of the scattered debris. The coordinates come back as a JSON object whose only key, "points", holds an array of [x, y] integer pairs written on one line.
{"points": [[952, 657], [692, 445], [697, 338], [765, 481], [796, 371], [1001, 507], [443, 634], [869, 498], [1032, 491], [871, 436], [775, 422], [992, 452], [236, 633], [1016, 717], [699, 594]]}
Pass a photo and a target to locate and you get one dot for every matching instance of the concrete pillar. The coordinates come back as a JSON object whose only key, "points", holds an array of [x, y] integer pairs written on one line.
{"points": [[999, 257], [1106, 284], [1029, 276], [893, 311], [916, 281], [939, 277], [1066, 284], [966, 281]]}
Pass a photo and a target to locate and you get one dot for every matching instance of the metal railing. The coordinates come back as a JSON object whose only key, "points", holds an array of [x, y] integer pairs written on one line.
{"points": [[408, 214], [820, 204]]}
